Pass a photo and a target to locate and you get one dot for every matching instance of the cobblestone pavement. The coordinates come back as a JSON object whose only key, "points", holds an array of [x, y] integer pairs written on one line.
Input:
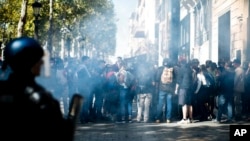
{"points": [[199, 131]]}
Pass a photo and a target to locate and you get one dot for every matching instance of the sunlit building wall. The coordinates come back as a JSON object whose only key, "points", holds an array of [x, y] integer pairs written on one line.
{"points": [[161, 21], [209, 30], [132, 43], [168, 22], [150, 47], [150, 21], [142, 29], [195, 30], [155, 29], [137, 29], [230, 32], [215, 30]]}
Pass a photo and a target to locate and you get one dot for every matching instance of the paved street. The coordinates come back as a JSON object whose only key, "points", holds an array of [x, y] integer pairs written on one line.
{"points": [[199, 131]]}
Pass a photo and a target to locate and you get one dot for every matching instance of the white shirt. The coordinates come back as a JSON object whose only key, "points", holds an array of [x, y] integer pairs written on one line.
{"points": [[201, 81]]}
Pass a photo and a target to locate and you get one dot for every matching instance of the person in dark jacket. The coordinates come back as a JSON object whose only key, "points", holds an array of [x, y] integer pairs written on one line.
{"points": [[225, 78], [184, 91], [166, 90], [84, 86], [28, 111], [144, 80]]}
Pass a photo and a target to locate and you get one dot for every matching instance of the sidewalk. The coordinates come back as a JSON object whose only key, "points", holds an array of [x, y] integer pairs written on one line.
{"points": [[199, 131]]}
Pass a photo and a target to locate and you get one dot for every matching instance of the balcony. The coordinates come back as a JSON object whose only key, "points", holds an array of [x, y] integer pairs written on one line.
{"points": [[139, 33], [139, 30], [188, 4]]}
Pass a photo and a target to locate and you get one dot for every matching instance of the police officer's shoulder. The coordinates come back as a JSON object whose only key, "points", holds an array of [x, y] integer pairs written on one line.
{"points": [[39, 97], [5, 95], [3, 83]]}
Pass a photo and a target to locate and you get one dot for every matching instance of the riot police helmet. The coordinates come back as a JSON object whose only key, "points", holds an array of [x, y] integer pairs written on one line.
{"points": [[22, 53]]}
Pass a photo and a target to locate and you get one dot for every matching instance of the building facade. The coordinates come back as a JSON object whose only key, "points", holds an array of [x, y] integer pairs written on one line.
{"points": [[142, 30], [203, 29], [230, 33]]}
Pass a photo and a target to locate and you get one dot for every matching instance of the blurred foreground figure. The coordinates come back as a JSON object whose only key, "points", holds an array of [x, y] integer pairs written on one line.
{"points": [[28, 111]]}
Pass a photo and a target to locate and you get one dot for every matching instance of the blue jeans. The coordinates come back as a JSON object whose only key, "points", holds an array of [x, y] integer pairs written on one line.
{"points": [[85, 111], [225, 104], [123, 99], [164, 98], [98, 103], [130, 103]]}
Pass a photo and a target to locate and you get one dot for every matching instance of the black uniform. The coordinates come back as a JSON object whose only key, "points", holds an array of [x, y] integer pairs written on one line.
{"points": [[27, 111], [30, 113]]}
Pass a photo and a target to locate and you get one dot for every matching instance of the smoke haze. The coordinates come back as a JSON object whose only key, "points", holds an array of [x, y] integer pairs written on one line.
{"points": [[123, 10]]}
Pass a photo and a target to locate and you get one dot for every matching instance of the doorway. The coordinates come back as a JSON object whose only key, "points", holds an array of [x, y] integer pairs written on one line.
{"points": [[224, 37]]}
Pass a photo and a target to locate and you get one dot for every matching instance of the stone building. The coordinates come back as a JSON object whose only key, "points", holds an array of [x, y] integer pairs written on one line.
{"points": [[203, 29]]}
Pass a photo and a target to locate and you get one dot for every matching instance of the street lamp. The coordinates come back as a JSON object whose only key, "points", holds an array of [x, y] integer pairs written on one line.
{"points": [[2, 50], [36, 9]]}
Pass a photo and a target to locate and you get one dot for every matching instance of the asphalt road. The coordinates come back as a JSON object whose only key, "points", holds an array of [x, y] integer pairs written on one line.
{"points": [[198, 131]]}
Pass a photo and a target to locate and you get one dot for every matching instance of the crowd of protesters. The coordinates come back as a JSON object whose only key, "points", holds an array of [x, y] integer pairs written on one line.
{"points": [[219, 92]]}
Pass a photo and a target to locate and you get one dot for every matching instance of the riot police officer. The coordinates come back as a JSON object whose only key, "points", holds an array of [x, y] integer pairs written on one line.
{"points": [[28, 112]]}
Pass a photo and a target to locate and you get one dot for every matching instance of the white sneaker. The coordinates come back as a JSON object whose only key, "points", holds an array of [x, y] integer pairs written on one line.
{"points": [[183, 121], [191, 120], [168, 121]]}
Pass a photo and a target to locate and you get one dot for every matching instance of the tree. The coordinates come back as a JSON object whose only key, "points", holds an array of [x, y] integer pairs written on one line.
{"points": [[100, 26], [9, 19], [92, 19], [22, 19], [50, 37]]}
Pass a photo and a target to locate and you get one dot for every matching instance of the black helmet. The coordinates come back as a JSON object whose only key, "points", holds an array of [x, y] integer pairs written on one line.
{"points": [[21, 54]]}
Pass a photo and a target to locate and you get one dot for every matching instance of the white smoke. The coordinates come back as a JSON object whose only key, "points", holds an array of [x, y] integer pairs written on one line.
{"points": [[123, 11]]}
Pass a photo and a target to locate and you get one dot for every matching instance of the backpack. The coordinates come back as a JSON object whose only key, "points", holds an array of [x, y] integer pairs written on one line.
{"points": [[111, 81], [125, 77], [167, 75]]}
